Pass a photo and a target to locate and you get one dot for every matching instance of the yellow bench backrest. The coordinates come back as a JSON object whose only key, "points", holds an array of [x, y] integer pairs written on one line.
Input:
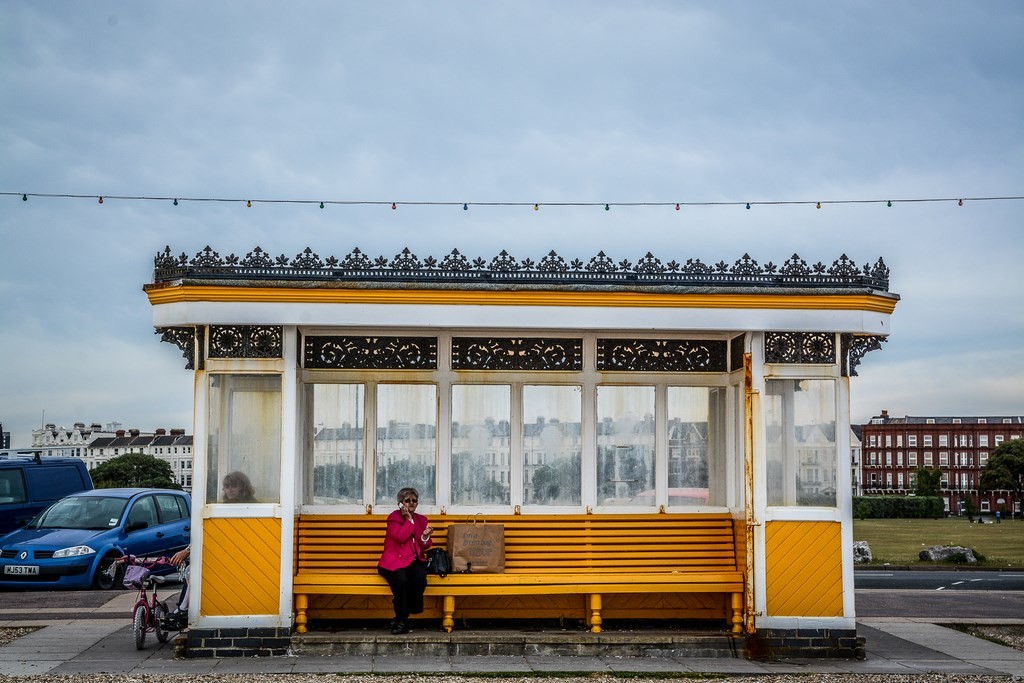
{"points": [[540, 543]]}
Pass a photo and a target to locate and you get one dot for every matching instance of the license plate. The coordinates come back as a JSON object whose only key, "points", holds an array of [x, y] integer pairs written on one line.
{"points": [[21, 569]]}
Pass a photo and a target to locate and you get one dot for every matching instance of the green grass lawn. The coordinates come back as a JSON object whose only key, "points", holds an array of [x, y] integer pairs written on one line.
{"points": [[898, 541]]}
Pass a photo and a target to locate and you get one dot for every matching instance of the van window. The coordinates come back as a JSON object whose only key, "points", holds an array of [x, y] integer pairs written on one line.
{"points": [[171, 508], [12, 486], [53, 482]]}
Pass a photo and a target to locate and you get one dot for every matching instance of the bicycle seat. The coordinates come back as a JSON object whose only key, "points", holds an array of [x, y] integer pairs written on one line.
{"points": [[158, 579]]}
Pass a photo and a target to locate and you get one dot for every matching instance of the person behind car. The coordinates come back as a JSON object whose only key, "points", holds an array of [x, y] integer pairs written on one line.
{"points": [[180, 559], [403, 560]]}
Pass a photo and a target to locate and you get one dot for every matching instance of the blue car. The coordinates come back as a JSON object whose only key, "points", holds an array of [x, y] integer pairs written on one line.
{"points": [[73, 542]]}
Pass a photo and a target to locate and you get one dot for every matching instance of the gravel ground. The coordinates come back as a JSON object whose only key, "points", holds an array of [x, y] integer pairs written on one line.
{"points": [[491, 678], [1006, 635], [9, 634]]}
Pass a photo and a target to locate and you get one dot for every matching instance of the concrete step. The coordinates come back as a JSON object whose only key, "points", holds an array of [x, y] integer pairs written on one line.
{"points": [[503, 642]]}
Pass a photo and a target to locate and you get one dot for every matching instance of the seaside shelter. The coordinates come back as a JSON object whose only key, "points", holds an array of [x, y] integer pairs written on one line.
{"points": [[658, 440]]}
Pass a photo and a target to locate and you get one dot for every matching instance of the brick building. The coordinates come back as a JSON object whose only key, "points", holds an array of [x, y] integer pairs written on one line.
{"points": [[894, 447]]}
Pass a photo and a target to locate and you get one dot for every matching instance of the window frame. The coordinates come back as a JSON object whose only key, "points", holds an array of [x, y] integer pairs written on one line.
{"points": [[588, 378]]}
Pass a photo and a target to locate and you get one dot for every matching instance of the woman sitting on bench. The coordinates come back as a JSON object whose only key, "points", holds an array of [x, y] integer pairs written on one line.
{"points": [[403, 561]]}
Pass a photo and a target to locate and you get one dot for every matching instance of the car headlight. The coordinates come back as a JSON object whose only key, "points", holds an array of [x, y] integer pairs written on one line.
{"points": [[74, 551]]}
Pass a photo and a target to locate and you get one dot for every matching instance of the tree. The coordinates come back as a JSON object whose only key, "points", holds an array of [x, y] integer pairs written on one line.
{"points": [[970, 507], [1005, 469], [928, 481], [134, 470]]}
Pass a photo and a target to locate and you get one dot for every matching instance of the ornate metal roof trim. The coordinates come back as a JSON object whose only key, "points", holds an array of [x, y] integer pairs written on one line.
{"points": [[506, 269]]}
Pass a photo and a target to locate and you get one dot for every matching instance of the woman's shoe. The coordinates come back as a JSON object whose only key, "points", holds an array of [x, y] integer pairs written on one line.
{"points": [[399, 628]]}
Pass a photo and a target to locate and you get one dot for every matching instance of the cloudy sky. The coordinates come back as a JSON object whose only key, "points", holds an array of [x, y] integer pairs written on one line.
{"points": [[506, 102]]}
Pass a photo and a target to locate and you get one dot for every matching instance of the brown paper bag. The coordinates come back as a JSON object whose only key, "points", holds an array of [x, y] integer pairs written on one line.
{"points": [[477, 548]]}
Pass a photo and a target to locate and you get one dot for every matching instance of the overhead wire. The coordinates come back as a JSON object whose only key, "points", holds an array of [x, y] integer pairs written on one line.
{"points": [[465, 205]]}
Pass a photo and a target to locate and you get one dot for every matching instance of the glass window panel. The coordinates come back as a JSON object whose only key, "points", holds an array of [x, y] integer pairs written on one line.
{"points": [[696, 446], [406, 441], [245, 437], [552, 418], [480, 444], [339, 442], [801, 455], [625, 445]]}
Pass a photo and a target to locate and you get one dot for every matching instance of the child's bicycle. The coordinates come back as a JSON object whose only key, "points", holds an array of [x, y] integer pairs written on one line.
{"points": [[149, 614]]}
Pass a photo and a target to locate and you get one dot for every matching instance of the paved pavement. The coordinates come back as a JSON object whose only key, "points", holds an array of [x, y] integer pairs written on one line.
{"points": [[103, 643]]}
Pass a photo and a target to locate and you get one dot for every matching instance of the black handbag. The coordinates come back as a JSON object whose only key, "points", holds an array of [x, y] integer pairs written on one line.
{"points": [[438, 562]]}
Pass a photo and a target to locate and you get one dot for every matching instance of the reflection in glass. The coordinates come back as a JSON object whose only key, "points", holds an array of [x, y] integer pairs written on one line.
{"points": [[552, 417], [406, 441], [802, 458], [696, 446], [339, 440], [245, 434], [625, 445], [480, 444]]}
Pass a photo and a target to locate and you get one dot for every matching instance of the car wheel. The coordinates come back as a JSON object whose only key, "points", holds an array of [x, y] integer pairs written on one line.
{"points": [[139, 627], [105, 579]]}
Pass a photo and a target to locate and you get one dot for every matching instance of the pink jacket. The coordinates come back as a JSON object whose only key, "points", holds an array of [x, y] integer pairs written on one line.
{"points": [[402, 544]]}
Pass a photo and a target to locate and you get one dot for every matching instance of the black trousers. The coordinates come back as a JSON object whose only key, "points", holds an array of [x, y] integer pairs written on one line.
{"points": [[407, 586]]}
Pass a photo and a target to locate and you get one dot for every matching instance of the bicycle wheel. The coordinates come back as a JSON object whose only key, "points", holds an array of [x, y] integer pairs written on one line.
{"points": [[160, 619], [139, 627]]}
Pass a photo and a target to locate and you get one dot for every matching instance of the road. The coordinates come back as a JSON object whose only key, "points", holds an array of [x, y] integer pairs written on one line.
{"points": [[939, 580], [953, 595]]}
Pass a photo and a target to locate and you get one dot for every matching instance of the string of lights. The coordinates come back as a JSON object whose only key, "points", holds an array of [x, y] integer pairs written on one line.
{"points": [[607, 206]]}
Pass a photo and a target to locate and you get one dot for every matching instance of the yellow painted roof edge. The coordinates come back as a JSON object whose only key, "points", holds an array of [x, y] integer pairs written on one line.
{"points": [[182, 293]]}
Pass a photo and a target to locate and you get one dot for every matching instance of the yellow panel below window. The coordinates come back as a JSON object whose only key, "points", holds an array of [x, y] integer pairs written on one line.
{"points": [[804, 569], [241, 567]]}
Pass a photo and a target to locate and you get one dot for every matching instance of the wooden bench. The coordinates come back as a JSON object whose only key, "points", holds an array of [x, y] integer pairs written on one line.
{"points": [[579, 554]]}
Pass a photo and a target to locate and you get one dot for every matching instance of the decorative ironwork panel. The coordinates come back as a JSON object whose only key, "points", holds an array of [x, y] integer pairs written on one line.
{"points": [[736, 353], [800, 347], [246, 341], [184, 338], [487, 353], [662, 355], [855, 347], [371, 353], [504, 268]]}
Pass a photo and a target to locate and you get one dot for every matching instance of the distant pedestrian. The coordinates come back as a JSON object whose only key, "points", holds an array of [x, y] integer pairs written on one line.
{"points": [[999, 519]]}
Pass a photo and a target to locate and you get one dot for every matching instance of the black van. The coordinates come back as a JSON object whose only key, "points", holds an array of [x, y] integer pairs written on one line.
{"points": [[29, 484]]}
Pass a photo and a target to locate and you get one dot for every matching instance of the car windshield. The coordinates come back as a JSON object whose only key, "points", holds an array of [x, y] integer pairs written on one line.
{"points": [[81, 512]]}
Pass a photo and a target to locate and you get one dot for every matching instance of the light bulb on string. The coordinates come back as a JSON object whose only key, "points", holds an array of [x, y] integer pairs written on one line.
{"points": [[24, 197], [818, 206], [394, 206], [248, 203], [536, 207], [748, 205], [101, 200], [175, 202], [677, 207], [959, 202], [889, 203], [606, 208], [465, 207]]}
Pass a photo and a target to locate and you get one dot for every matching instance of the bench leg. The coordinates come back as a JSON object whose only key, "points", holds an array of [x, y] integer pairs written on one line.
{"points": [[737, 612], [595, 613], [448, 621], [301, 603]]}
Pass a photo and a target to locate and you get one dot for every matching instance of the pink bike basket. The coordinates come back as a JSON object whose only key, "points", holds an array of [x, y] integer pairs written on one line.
{"points": [[134, 575]]}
